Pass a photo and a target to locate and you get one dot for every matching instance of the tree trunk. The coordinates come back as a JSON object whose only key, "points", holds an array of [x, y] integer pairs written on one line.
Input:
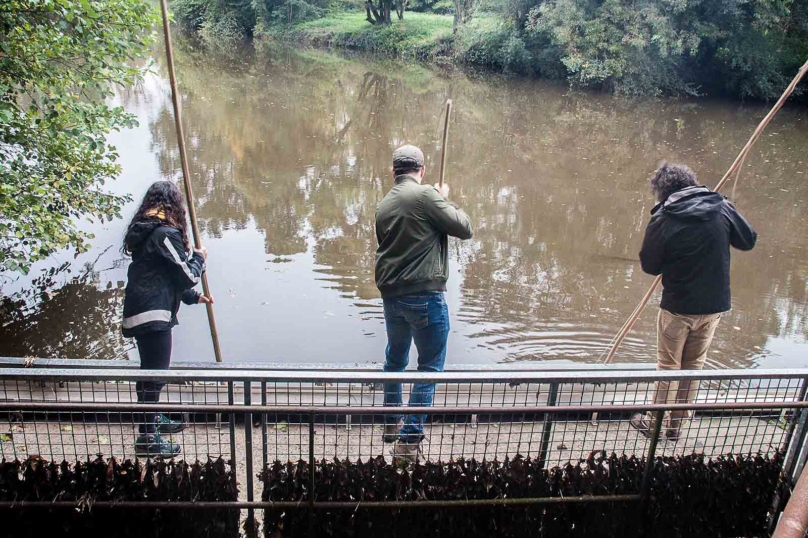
{"points": [[371, 9]]}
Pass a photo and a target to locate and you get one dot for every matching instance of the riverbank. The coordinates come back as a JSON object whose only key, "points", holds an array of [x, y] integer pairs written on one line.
{"points": [[486, 41], [419, 35]]}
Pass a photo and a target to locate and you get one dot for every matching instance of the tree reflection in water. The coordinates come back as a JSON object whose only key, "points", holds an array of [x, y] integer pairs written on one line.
{"points": [[296, 146], [64, 316]]}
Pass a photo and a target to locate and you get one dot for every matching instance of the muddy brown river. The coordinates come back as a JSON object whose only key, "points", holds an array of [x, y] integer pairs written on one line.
{"points": [[290, 155]]}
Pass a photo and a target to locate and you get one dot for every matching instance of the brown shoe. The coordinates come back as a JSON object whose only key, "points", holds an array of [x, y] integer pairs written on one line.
{"points": [[672, 434], [641, 423]]}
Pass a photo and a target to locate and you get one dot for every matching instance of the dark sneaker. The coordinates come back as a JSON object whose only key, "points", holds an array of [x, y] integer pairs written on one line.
{"points": [[672, 434], [390, 433], [166, 425], [154, 446], [410, 452], [641, 423]]}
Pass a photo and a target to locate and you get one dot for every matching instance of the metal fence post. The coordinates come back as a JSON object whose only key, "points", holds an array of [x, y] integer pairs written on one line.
{"points": [[311, 475], [248, 449], [796, 433], [265, 447], [793, 445], [547, 426], [232, 417]]}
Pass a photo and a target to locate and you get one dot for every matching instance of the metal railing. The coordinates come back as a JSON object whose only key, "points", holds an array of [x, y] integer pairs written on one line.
{"points": [[255, 417]]}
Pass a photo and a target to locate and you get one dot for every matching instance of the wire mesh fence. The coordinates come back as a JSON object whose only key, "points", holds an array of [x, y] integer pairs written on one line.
{"points": [[255, 417]]}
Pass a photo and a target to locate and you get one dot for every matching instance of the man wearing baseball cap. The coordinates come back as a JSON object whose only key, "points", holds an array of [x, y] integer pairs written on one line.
{"points": [[413, 223]]}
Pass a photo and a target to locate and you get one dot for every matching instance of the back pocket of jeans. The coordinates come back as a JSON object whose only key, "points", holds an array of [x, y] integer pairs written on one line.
{"points": [[416, 314]]}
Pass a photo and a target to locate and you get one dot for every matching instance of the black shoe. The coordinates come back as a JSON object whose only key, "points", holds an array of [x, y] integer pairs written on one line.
{"points": [[166, 425], [390, 433], [672, 434], [153, 445], [641, 423]]}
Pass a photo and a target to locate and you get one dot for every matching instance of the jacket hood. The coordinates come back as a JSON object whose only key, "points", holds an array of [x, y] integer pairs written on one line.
{"points": [[692, 203], [139, 232]]}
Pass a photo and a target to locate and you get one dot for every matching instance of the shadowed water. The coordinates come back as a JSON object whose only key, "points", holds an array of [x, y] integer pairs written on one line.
{"points": [[290, 154]]}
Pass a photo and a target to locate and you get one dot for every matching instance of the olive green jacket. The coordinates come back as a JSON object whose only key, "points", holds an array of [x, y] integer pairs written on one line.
{"points": [[413, 223]]}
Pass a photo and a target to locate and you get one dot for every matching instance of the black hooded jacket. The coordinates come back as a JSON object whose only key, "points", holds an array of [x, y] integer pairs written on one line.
{"points": [[161, 274], [687, 241]]}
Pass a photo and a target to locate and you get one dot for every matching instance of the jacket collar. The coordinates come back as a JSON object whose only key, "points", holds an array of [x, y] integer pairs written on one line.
{"points": [[685, 193], [406, 177], [679, 195]]}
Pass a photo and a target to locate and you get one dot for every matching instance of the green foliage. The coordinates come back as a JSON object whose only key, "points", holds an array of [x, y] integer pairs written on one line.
{"points": [[493, 43], [273, 12], [664, 47], [229, 20], [758, 62], [628, 48], [417, 36], [58, 62], [190, 14], [441, 7]]}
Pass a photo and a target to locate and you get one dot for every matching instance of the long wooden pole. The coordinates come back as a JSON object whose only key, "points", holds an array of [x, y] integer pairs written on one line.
{"points": [[186, 176], [445, 141], [732, 169]]}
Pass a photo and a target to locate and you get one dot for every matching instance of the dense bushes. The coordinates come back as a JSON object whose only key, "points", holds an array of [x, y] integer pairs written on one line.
{"points": [[99, 480], [747, 49], [689, 497], [492, 43]]}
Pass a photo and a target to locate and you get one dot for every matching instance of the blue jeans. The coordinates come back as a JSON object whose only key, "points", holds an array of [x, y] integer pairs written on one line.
{"points": [[425, 319]]}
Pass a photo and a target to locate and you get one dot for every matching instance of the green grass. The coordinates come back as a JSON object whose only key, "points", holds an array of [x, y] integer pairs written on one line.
{"points": [[418, 35]]}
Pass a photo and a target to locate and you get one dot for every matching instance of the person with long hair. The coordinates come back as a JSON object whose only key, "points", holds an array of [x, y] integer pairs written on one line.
{"points": [[163, 272]]}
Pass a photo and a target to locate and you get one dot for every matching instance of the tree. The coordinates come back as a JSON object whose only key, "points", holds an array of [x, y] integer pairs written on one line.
{"points": [[464, 11], [381, 14], [647, 47], [59, 60]]}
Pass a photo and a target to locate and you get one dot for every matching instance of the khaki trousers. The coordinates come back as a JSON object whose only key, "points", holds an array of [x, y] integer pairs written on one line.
{"points": [[682, 344]]}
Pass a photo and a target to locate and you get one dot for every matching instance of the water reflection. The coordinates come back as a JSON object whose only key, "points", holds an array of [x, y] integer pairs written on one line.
{"points": [[299, 143], [62, 315], [289, 153]]}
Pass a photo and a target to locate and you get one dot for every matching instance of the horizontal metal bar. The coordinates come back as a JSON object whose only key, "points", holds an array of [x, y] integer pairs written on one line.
{"points": [[531, 366], [132, 407], [327, 505], [281, 376]]}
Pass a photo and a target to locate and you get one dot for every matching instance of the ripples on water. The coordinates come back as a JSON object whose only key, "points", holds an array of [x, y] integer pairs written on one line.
{"points": [[290, 156]]}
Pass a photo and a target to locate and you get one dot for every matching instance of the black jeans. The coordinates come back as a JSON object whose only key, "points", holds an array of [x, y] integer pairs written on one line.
{"points": [[155, 354]]}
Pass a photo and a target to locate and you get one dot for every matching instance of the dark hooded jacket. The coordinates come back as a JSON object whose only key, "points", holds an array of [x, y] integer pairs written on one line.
{"points": [[687, 241], [161, 274]]}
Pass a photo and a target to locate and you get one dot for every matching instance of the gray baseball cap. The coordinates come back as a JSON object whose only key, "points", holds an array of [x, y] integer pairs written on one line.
{"points": [[408, 157]]}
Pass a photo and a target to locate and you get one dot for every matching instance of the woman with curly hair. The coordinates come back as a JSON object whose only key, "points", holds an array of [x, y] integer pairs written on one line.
{"points": [[163, 271]]}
